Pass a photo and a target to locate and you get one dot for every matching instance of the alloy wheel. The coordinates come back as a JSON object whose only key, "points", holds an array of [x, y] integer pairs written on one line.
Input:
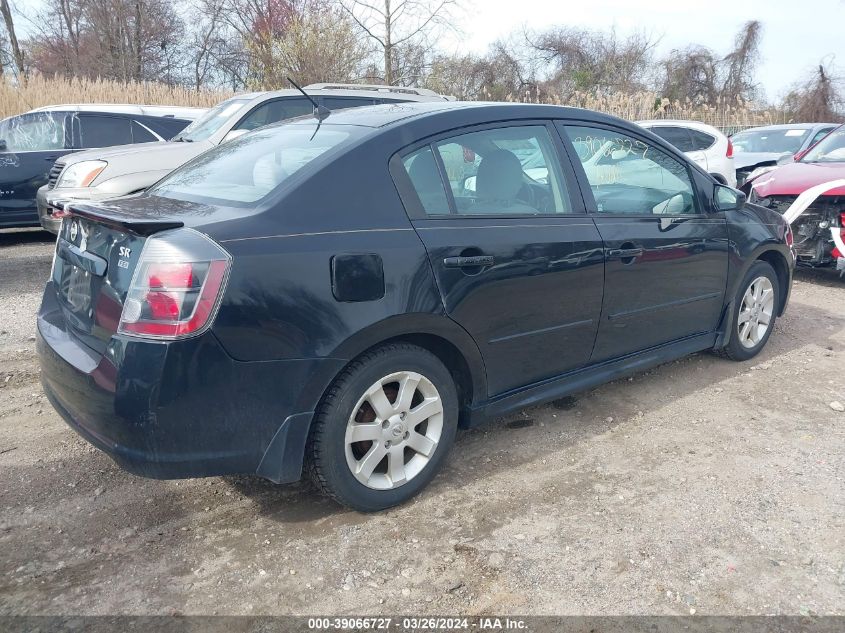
{"points": [[394, 430], [755, 312]]}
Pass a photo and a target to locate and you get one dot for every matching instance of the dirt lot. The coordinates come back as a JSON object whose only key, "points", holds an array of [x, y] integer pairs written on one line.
{"points": [[703, 485]]}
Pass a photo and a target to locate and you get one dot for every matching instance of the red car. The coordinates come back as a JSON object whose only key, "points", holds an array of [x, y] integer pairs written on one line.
{"points": [[818, 217]]}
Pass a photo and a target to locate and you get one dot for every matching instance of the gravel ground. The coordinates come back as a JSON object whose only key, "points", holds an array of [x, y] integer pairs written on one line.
{"points": [[703, 486]]}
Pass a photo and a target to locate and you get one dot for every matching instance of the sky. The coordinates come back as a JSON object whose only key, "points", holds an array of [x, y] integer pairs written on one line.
{"points": [[797, 34]]}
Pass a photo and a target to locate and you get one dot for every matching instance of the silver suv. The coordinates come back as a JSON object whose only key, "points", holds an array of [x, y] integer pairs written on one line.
{"points": [[126, 169]]}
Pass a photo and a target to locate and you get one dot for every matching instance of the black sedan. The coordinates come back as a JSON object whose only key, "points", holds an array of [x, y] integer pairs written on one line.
{"points": [[339, 296]]}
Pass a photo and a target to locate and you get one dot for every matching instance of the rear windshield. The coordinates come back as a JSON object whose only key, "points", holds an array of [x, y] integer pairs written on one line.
{"points": [[243, 171], [831, 149], [780, 141], [34, 132], [211, 121]]}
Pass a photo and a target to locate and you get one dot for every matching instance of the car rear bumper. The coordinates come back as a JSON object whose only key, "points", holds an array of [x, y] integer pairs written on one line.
{"points": [[179, 409]]}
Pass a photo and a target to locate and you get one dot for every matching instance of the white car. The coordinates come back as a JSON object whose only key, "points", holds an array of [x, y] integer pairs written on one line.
{"points": [[703, 144]]}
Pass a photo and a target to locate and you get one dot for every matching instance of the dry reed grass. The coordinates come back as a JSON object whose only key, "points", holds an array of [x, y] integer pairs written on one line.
{"points": [[41, 91]]}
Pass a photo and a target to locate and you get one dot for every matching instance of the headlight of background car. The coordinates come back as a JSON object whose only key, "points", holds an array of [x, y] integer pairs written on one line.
{"points": [[80, 174]]}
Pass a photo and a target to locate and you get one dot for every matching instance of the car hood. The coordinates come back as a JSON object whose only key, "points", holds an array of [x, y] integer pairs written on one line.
{"points": [[750, 159], [794, 179], [156, 156]]}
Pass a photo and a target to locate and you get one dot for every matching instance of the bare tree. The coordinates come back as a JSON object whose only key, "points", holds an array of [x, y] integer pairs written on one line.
{"points": [[17, 54], [396, 24], [819, 98], [127, 40], [690, 74], [739, 65], [594, 61]]}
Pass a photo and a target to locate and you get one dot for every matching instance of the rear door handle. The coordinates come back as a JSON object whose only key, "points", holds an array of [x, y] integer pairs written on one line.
{"points": [[624, 253], [466, 262]]}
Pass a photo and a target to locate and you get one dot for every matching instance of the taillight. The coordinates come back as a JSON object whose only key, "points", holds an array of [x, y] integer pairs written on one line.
{"points": [[176, 287], [790, 239], [730, 153]]}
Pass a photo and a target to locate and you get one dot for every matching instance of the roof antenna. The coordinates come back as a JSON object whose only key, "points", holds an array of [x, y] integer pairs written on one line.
{"points": [[321, 113]]}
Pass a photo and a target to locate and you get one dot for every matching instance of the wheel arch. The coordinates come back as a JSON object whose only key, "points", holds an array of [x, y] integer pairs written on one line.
{"points": [[436, 333], [777, 261]]}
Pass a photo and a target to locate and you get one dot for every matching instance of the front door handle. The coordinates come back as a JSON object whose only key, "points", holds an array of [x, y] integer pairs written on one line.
{"points": [[473, 261]]}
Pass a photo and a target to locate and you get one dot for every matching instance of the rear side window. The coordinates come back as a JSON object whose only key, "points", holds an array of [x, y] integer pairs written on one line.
{"points": [[140, 134], [103, 131], [500, 171], [275, 111], [422, 170], [247, 169], [629, 176], [339, 103], [677, 136], [701, 140]]}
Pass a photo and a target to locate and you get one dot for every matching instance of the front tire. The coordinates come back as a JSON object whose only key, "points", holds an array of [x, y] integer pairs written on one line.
{"points": [[384, 428], [755, 312]]}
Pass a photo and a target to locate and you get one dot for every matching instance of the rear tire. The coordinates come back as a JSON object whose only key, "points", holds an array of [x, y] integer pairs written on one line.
{"points": [[384, 428], [755, 312]]}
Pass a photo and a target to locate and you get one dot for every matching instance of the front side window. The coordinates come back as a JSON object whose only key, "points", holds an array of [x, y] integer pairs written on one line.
{"points": [[831, 149], [502, 171], [212, 120], [275, 111], [247, 169], [34, 132], [820, 135], [629, 176]]}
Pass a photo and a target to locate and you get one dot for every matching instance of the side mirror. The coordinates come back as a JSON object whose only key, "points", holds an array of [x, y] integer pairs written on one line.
{"points": [[233, 134], [727, 199], [2, 145], [469, 184]]}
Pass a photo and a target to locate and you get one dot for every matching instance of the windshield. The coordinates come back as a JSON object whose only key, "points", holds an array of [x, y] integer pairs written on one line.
{"points": [[211, 121], [245, 170], [37, 131], [780, 141], [831, 149]]}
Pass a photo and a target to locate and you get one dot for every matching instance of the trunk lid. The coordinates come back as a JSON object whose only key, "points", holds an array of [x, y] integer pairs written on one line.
{"points": [[97, 251]]}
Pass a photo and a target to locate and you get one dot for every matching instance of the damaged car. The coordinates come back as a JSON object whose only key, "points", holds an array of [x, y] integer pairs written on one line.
{"points": [[761, 149], [327, 296], [810, 194]]}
